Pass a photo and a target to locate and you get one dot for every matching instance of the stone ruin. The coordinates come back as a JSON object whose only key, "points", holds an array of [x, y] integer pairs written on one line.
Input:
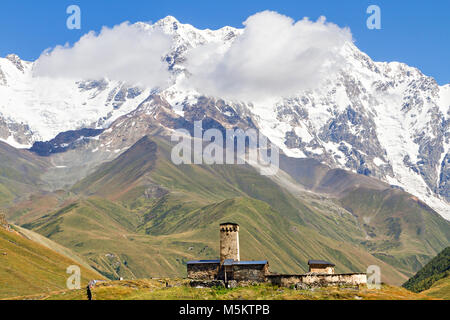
{"points": [[4, 223]]}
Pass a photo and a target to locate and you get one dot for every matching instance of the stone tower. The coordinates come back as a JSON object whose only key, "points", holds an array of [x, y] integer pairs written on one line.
{"points": [[229, 241]]}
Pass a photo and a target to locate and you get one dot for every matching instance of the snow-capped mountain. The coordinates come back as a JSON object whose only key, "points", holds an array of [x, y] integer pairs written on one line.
{"points": [[386, 120], [37, 109]]}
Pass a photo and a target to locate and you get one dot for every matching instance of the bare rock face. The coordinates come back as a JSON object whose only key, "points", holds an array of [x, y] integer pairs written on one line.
{"points": [[65, 141], [16, 61], [19, 132], [444, 177], [3, 81]]}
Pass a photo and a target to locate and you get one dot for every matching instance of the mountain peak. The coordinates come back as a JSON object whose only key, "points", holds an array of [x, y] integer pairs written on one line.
{"points": [[15, 60], [12, 56], [168, 20]]}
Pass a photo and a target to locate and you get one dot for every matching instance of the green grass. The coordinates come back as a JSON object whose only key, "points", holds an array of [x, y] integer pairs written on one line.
{"points": [[27, 267], [155, 289], [440, 289], [401, 230], [19, 174], [438, 268]]}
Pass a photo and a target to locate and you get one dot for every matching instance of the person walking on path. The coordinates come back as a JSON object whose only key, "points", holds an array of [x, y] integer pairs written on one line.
{"points": [[88, 291]]}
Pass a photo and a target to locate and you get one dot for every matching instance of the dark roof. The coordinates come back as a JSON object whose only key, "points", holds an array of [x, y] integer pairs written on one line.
{"points": [[249, 262], [321, 262], [228, 262], [232, 223], [202, 261]]}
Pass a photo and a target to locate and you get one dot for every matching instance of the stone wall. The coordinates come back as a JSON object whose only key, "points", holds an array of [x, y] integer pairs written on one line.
{"points": [[321, 269], [203, 271], [3, 222], [318, 280], [249, 272]]}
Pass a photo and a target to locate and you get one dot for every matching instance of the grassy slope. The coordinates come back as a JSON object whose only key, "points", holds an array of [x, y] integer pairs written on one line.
{"points": [[438, 268], [398, 228], [37, 205], [155, 289], [440, 289], [46, 242], [19, 173], [122, 174], [162, 245], [27, 267]]}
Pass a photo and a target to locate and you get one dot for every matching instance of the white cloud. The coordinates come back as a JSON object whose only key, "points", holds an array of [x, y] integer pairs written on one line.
{"points": [[273, 57], [125, 52]]}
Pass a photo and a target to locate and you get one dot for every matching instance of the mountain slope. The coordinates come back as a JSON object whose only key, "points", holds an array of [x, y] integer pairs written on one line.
{"points": [[398, 227], [385, 120], [20, 173], [117, 177], [435, 270], [28, 267], [166, 214], [440, 289], [124, 252]]}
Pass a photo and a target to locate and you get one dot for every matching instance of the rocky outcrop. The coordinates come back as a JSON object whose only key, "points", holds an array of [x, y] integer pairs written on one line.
{"points": [[444, 177], [16, 61], [64, 141], [207, 283], [3, 81]]}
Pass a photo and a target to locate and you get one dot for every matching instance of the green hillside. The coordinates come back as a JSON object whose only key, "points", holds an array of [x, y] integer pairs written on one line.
{"points": [[435, 270], [132, 248], [28, 267], [440, 289], [398, 228], [19, 174]]}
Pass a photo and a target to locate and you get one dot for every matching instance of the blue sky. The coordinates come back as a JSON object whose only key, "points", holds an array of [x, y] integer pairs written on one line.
{"points": [[414, 32]]}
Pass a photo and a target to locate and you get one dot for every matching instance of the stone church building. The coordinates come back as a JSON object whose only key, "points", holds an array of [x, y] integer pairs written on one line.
{"points": [[230, 267]]}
